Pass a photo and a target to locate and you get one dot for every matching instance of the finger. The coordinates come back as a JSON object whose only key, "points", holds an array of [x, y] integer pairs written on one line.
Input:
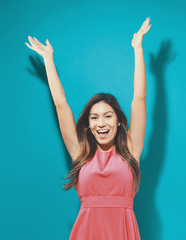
{"points": [[145, 26], [32, 41], [147, 29], [146, 22], [47, 42], [40, 45], [29, 46], [38, 42], [33, 48]]}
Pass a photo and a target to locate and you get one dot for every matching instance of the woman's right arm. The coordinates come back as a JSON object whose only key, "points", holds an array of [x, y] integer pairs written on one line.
{"points": [[65, 115], [56, 88], [68, 129]]}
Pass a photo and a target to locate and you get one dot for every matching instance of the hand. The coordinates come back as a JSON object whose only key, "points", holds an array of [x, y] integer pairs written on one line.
{"points": [[43, 50], [138, 37]]}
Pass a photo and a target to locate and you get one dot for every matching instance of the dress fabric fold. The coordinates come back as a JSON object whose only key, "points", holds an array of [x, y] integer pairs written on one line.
{"points": [[105, 189]]}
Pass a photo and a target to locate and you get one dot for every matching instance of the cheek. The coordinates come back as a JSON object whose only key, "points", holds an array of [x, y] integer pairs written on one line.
{"points": [[114, 124], [115, 129], [91, 125], [92, 128]]}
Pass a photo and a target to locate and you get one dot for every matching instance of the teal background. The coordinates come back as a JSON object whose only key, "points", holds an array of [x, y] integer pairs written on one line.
{"points": [[92, 53]]}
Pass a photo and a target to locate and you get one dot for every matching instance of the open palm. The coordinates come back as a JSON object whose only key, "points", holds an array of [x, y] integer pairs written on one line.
{"points": [[43, 50], [138, 37]]}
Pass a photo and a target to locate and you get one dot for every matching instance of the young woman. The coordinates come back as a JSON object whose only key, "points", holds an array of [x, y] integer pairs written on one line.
{"points": [[105, 156]]}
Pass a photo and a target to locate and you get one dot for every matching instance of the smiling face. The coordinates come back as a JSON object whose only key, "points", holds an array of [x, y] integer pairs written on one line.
{"points": [[103, 117]]}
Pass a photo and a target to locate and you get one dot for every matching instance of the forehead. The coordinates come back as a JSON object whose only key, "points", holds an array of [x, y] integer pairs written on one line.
{"points": [[101, 108]]}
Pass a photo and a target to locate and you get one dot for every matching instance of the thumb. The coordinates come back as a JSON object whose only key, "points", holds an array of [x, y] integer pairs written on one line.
{"points": [[47, 42]]}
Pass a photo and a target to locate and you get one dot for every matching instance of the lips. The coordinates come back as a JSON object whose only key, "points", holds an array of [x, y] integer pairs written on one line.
{"points": [[104, 134]]}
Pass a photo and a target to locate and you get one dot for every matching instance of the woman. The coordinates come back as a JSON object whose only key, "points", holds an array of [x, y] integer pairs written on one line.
{"points": [[105, 156]]}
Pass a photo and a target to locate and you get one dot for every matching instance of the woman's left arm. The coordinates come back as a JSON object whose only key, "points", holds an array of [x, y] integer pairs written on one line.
{"points": [[138, 107]]}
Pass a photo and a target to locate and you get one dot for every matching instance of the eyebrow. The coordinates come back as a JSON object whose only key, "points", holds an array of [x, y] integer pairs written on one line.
{"points": [[97, 114]]}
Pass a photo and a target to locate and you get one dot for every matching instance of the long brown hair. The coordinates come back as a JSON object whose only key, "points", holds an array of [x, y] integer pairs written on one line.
{"points": [[88, 144]]}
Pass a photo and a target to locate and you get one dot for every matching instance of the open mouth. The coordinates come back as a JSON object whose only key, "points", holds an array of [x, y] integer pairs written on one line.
{"points": [[103, 132]]}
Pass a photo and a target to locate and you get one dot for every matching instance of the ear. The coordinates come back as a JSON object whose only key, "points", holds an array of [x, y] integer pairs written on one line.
{"points": [[119, 124]]}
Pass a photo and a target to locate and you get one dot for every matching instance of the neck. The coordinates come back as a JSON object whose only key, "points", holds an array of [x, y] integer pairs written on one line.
{"points": [[106, 149]]}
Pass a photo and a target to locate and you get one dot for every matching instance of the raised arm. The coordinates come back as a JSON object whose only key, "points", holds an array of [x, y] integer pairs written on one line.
{"points": [[65, 115], [138, 107]]}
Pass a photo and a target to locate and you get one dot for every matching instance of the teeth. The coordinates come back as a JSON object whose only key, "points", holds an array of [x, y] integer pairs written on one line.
{"points": [[102, 131]]}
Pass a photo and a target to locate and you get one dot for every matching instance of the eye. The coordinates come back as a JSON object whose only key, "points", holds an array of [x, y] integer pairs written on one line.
{"points": [[106, 117]]}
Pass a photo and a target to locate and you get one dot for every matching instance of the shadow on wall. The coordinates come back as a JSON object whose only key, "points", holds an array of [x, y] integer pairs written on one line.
{"points": [[38, 70], [147, 214]]}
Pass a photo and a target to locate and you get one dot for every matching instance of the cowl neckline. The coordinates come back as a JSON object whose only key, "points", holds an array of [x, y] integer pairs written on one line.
{"points": [[104, 159]]}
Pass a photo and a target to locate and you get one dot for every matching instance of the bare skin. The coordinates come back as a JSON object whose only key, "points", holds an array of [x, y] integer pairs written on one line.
{"points": [[65, 115], [103, 117], [138, 37], [38, 47]]}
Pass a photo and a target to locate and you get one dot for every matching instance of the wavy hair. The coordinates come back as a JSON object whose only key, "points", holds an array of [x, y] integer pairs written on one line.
{"points": [[88, 144]]}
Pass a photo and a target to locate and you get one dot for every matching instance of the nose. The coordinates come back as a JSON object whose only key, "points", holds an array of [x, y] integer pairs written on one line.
{"points": [[101, 122]]}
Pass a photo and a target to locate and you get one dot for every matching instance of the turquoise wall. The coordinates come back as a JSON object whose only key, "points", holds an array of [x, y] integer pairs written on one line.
{"points": [[92, 53]]}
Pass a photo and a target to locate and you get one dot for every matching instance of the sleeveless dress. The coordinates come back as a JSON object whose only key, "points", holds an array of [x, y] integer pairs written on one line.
{"points": [[105, 189]]}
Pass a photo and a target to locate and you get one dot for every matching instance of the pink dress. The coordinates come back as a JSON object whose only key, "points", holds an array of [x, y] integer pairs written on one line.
{"points": [[105, 189]]}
